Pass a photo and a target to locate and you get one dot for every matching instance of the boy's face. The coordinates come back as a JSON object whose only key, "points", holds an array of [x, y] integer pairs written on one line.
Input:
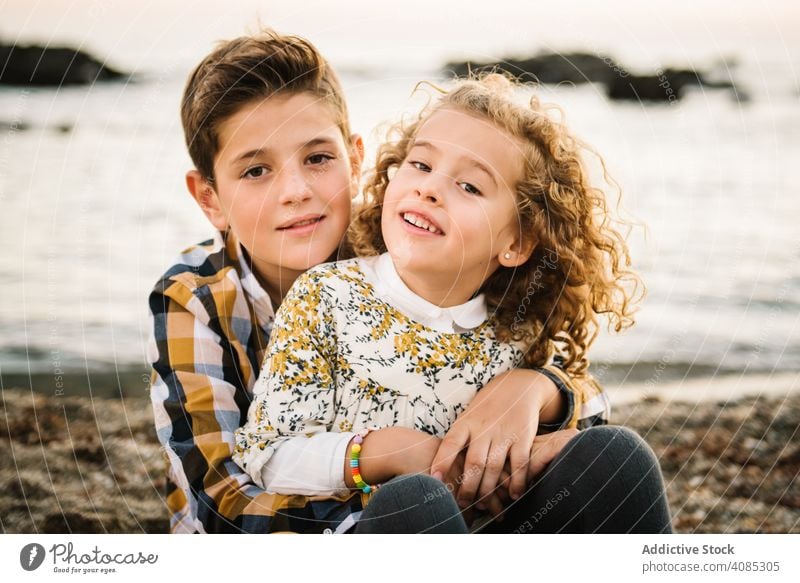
{"points": [[450, 214], [284, 179]]}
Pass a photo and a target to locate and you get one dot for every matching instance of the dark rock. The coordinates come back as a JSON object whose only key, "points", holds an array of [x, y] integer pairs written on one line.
{"points": [[14, 126], [52, 67], [550, 68], [665, 85]]}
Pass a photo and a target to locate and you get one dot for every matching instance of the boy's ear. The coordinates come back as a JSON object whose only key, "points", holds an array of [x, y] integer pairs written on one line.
{"points": [[517, 253], [356, 155], [206, 198]]}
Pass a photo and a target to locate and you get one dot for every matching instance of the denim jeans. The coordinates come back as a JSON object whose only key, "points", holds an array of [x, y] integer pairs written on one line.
{"points": [[606, 479]]}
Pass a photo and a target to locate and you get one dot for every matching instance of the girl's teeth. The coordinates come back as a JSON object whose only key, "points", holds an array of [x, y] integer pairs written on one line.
{"points": [[421, 223]]}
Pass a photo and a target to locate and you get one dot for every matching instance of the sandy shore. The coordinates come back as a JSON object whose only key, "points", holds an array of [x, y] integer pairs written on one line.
{"points": [[729, 448]]}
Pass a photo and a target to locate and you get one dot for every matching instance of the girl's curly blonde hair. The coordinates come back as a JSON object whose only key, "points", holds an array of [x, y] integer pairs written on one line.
{"points": [[579, 267]]}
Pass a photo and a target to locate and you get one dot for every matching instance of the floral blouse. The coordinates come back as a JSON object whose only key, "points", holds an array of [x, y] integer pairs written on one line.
{"points": [[343, 357]]}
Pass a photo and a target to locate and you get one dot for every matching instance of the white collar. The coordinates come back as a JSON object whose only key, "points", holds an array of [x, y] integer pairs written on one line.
{"points": [[381, 273]]}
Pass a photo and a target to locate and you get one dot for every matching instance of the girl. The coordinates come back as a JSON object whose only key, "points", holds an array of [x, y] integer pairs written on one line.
{"points": [[482, 247]]}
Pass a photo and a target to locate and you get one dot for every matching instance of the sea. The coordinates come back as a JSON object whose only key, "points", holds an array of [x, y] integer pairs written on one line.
{"points": [[93, 206]]}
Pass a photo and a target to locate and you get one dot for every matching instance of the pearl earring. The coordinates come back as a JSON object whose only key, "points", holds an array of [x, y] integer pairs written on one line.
{"points": [[507, 256]]}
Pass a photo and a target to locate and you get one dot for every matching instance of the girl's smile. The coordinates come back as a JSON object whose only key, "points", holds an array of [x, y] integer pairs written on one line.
{"points": [[420, 224]]}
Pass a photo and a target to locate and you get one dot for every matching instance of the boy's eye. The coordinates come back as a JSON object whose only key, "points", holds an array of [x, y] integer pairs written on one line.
{"points": [[317, 159], [469, 188], [254, 172], [420, 166]]}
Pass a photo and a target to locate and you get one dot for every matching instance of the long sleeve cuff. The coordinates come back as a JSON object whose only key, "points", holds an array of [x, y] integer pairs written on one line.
{"points": [[558, 377], [309, 466], [587, 402]]}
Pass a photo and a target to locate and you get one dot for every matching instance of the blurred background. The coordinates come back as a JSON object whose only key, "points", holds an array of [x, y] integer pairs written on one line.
{"points": [[94, 209]]}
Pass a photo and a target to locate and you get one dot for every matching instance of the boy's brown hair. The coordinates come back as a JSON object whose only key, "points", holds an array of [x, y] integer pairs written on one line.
{"points": [[247, 69]]}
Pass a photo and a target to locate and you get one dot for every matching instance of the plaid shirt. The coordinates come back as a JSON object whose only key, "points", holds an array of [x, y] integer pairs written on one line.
{"points": [[211, 324]]}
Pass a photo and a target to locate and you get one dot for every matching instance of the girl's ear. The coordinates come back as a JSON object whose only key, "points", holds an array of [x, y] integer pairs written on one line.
{"points": [[517, 253], [207, 199]]}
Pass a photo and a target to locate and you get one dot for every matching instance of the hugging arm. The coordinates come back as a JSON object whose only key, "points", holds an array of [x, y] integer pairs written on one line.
{"points": [[287, 444], [199, 397]]}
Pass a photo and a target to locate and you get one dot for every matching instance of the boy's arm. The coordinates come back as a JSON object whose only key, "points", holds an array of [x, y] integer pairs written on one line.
{"points": [[287, 442], [586, 403], [199, 399]]}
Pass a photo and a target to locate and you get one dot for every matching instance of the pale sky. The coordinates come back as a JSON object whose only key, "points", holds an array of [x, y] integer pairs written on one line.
{"points": [[411, 32]]}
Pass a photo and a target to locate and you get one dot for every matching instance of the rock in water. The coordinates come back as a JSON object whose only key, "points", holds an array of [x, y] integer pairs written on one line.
{"points": [[665, 85], [51, 67], [550, 68]]}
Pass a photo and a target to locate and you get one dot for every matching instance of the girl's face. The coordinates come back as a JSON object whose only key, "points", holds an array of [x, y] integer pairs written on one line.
{"points": [[450, 212]]}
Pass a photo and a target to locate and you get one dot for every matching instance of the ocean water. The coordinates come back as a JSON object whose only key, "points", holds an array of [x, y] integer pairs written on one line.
{"points": [[94, 210]]}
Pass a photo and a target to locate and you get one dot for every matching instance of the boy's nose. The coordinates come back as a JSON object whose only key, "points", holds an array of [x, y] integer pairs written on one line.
{"points": [[292, 187]]}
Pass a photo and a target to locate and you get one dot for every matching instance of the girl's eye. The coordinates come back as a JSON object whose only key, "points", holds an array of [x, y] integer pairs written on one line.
{"points": [[317, 159], [255, 172], [420, 166], [470, 188]]}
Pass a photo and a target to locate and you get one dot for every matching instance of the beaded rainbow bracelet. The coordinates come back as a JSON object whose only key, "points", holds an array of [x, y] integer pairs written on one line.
{"points": [[355, 455]]}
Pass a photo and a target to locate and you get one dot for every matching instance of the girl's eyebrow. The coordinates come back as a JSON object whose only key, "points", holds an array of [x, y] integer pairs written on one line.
{"points": [[472, 161], [320, 141]]}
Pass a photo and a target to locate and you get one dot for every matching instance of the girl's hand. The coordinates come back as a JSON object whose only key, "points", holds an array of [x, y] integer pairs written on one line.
{"points": [[494, 504], [499, 423]]}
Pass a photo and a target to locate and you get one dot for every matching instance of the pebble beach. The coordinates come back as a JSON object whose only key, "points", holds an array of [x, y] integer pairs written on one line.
{"points": [[80, 465]]}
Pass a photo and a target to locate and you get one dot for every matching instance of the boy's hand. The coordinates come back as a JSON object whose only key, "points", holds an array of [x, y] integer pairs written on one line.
{"points": [[499, 423], [546, 448]]}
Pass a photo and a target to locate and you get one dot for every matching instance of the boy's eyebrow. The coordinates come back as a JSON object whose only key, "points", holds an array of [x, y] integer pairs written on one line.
{"points": [[477, 163], [321, 141]]}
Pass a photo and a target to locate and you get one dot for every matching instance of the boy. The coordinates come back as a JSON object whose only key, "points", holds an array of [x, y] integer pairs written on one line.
{"points": [[279, 196], [275, 169]]}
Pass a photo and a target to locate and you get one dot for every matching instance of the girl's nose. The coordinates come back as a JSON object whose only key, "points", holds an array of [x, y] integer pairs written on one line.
{"points": [[429, 189]]}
